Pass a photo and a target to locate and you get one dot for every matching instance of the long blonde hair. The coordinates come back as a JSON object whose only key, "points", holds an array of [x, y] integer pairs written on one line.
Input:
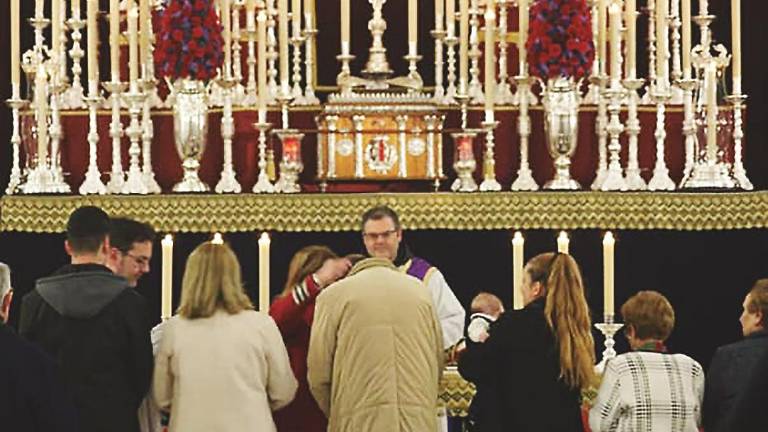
{"points": [[212, 281], [567, 314], [306, 261]]}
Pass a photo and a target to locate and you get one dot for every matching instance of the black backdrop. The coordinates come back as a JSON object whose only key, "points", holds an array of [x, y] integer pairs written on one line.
{"points": [[705, 274]]}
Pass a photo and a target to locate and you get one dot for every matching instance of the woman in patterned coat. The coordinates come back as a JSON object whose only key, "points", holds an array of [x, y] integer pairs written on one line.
{"points": [[649, 389]]}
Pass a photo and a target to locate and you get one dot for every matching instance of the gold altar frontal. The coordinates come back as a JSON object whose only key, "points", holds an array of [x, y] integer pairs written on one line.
{"points": [[380, 136]]}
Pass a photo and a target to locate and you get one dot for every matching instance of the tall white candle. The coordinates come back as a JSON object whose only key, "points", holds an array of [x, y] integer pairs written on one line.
{"points": [[608, 277], [227, 36], [463, 45], [450, 17], [75, 8], [344, 25], [662, 44], [439, 14], [563, 242], [56, 22], [631, 19], [15, 49], [601, 36], [413, 22], [710, 83], [93, 42], [686, 20], [133, 46], [490, 58], [614, 11], [518, 244], [309, 13], [41, 110], [114, 39], [167, 278], [283, 37], [144, 25], [39, 12], [736, 42], [296, 17], [262, 65], [264, 243], [522, 36]]}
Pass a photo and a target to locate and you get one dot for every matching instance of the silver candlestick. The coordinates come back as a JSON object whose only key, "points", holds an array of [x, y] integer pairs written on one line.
{"points": [[632, 173], [450, 91], [238, 93], [272, 88], [251, 32], [310, 36], [439, 35], [343, 79], [147, 135], [660, 179], [74, 96], [614, 178], [689, 126], [489, 183], [93, 183], [504, 94], [739, 173], [56, 132], [609, 329], [297, 93], [414, 77], [15, 103], [647, 98], [134, 183], [116, 176], [475, 89], [524, 180], [601, 124], [263, 185], [675, 23], [228, 182]]}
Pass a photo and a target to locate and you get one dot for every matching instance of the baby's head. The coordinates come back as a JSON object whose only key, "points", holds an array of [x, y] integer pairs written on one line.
{"points": [[488, 304]]}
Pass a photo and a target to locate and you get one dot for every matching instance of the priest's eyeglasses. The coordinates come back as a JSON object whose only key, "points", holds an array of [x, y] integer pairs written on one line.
{"points": [[140, 261], [382, 235]]}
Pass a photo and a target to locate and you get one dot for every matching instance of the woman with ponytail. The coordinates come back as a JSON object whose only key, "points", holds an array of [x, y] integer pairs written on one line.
{"points": [[536, 360]]}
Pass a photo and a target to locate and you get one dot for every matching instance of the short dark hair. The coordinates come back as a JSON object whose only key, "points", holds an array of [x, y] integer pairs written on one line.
{"points": [[125, 232], [758, 298], [380, 212], [87, 229]]}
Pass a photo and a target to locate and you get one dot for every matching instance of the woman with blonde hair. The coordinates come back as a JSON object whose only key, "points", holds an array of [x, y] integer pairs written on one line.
{"points": [[221, 366], [311, 269], [535, 361]]}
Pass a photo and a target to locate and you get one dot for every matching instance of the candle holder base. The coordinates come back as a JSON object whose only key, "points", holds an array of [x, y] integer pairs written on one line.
{"points": [[609, 330], [263, 185], [739, 172]]}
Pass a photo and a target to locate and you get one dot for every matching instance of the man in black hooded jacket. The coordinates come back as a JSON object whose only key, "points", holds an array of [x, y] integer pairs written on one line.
{"points": [[96, 328]]}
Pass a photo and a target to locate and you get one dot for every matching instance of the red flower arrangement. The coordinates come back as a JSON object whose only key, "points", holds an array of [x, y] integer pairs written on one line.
{"points": [[189, 41], [560, 39]]}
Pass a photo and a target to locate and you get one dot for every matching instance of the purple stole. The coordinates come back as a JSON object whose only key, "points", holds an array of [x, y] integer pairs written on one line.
{"points": [[418, 268]]}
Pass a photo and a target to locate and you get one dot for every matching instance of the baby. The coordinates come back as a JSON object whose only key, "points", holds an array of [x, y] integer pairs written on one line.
{"points": [[485, 309]]}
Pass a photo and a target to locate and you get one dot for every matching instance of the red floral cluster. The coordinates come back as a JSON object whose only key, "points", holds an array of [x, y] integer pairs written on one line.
{"points": [[560, 39], [189, 41]]}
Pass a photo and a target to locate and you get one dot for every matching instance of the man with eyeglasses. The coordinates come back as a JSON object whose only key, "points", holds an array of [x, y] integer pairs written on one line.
{"points": [[95, 326], [382, 236], [130, 248]]}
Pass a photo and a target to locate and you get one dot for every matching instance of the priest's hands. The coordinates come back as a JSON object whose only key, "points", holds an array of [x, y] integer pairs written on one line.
{"points": [[332, 270]]}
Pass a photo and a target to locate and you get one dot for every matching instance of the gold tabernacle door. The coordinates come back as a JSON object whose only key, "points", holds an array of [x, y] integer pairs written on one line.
{"points": [[380, 136]]}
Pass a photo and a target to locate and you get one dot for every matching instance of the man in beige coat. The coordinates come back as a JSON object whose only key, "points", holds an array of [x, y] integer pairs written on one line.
{"points": [[376, 352]]}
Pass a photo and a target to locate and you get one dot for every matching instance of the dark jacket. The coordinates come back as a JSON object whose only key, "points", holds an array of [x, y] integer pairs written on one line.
{"points": [[97, 330], [728, 375], [748, 413], [520, 363], [31, 396]]}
